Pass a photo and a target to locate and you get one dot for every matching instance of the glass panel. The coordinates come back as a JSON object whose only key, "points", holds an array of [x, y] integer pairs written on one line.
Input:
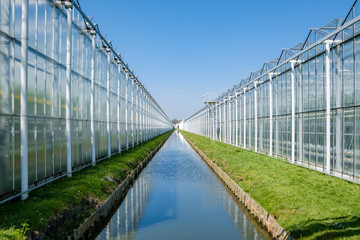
{"points": [[357, 142], [17, 153], [32, 164], [312, 138], [357, 70], [40, 140], [305, 76], [348, 73], [320, 139], [5, 98], [312, 85], [348, 141], [49, 147], [6, 154], [320, 87]]}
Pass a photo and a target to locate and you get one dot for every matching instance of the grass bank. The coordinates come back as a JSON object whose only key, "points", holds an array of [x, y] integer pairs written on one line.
{"points": [[308, 204], [53, 211]]}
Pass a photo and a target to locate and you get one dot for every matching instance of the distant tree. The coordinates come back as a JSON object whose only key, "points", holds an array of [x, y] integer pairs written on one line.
{"points": [[175, 121]]}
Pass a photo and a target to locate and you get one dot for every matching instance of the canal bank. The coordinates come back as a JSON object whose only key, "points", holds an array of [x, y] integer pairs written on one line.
{"points": [[177, 196], [308, 204], [53, 211]]}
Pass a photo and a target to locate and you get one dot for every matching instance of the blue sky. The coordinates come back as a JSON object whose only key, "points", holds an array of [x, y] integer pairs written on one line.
{"points": [[183, 48]]}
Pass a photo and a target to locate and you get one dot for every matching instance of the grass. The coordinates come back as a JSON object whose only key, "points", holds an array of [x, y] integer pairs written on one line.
{"points": [[49, 208], [308, 204]]}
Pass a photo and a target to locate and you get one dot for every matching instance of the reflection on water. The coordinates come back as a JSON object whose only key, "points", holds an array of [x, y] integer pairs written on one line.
{"points": [[177, 196]]}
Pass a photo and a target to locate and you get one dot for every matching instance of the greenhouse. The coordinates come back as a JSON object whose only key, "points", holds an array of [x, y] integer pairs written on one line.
{"points": [[67, 99], [302, 106]]}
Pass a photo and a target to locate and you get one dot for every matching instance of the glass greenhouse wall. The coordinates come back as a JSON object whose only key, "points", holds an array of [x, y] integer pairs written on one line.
{"points": [[303, 106], [67, 99]]}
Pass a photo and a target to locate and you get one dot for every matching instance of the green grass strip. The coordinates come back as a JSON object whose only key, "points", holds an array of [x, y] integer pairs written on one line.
{"points": [[65, 203], [308, 204]]}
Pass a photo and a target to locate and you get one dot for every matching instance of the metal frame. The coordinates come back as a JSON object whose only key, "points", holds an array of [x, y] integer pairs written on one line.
{"points": [[287, 127], [69, 55]]}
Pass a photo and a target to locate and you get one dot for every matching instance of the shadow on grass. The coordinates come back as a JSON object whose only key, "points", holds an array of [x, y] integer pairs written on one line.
{"points": [[328, 228]]}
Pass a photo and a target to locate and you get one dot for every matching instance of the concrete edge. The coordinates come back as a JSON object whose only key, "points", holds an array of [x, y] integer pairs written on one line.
{"points": [[260, 214], [88, 228]]}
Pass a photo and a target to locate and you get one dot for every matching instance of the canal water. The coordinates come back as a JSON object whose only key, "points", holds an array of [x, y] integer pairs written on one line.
{"points": [[177, 196]]}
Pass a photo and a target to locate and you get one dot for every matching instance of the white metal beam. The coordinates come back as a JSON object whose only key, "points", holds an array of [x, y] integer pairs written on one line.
{"points": [[126, 110], [292, 63], [271, 114], [24, 99], [256, 118], [236, 121], [118, 106], [328, 101], [92, 101], [68, 92], [244, 117], [108, 106]]}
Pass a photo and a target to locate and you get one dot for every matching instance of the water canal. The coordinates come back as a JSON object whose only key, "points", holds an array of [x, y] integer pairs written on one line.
{"points": [[177, 196]]}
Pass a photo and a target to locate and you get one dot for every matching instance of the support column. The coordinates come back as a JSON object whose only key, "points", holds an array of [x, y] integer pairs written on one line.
{"points": [[126, 110], [132, 111], [261, 121], [244, 117], [230, 121], [137, 114], [154, 123], [208, 123], [216, 121], [256, 118], [148, 118], [271, 114], [216, 116], [240, 115], [108, 104], [276, 122], [213, 116], [301, 131], [225, 127], [68, 92], [92, 100], [225, 115], [203, 124], [339, 126], [141, 115], [328, 101], [143, 111], [24, 99], [236, 120], [292, 63], [118, 106], [144, 116], [220, 123]]}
